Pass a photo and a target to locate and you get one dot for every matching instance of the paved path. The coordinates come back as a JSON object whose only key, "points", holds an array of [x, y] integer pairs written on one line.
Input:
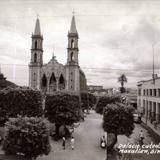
{"points": [[87, 146]]}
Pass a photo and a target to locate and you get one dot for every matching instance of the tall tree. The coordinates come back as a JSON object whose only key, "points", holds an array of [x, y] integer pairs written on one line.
{"points": [[88, 100], [62, 109], [118, 120], [122, 79]]}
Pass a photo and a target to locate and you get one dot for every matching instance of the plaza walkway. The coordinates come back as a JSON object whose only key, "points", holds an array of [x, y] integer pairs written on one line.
{"points": [[87, 145]]}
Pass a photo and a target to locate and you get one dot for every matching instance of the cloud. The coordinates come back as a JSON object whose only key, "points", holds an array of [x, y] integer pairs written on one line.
{"points": [[115, 37]]}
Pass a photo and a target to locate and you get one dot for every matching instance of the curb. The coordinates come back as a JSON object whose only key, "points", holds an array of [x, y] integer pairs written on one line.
{"points": [[151, 131]]}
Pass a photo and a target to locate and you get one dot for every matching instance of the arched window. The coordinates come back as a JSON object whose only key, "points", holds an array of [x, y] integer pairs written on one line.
{"points": [[35, 57], [72, 56], [72, 43], [61, 79], [35, 44]]}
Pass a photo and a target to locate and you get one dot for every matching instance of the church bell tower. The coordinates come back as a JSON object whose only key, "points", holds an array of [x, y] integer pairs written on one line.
{"points": [[36, 61], [72, 67]]}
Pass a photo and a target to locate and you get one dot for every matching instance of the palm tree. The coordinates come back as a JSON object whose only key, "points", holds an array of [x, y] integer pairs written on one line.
{"points": [[122, 79]]}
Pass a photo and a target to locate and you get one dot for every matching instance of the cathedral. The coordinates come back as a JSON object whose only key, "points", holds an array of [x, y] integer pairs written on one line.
{"points": [[55, 76]]}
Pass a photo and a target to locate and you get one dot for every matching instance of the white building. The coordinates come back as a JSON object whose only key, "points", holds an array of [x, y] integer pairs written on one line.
{"points": [[148, 99], [94, 87]]}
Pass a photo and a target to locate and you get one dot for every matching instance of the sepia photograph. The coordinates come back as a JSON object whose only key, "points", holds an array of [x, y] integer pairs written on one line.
{"points": [[79, 79]]}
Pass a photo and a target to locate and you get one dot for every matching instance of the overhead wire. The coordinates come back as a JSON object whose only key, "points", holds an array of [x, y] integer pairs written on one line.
{"points": [[90, 68]]}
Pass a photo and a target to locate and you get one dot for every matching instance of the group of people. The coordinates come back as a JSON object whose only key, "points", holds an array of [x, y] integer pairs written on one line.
{"points": [[103, 142], [72, 142]]}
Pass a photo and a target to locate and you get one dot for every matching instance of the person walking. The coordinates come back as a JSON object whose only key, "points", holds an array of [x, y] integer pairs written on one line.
{"points": [[141, 135], [64, 143], [72, 143]]}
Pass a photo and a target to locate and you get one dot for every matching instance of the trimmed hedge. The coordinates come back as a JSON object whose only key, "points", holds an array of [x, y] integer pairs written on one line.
{"points": [[118, 119], [27, 136], [19, 101]]}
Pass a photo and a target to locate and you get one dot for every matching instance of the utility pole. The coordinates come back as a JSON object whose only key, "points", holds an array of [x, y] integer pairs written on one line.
{"points": [[153, 74], [106, 137]]}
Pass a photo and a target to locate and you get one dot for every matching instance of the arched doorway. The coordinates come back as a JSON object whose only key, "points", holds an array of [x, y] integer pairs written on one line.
{"points": [[61, 84], [44, 83], [52, 83]]}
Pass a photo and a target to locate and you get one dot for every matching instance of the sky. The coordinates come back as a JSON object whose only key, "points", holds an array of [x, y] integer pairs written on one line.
{"points": [[115, 37]]}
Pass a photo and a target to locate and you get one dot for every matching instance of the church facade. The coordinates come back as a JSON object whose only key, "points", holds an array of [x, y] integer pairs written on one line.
{"points": [[55, 76]]}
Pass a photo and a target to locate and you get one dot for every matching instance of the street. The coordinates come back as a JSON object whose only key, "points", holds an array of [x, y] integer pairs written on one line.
{"points": [[87, 142]]}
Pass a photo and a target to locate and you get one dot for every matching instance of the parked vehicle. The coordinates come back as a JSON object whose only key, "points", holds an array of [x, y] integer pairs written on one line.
{"points": [[103, 142]]}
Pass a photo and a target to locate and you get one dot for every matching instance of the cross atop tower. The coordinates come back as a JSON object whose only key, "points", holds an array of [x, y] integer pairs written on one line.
{"points": [[53, 56]]}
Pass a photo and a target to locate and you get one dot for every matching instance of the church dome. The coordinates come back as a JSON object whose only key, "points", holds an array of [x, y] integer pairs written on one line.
{"points": [[5, 83]]}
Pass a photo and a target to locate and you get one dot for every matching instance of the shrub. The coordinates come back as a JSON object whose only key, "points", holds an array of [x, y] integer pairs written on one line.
{"points": [[22, 101], [27, 136]]}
